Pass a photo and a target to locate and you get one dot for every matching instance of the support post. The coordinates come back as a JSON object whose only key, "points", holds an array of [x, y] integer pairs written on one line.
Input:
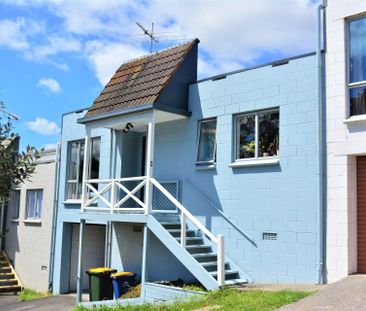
{"points": [[220, 260], [144, 269], [113, 195], [183, 232], [149, 164], [84, 195], [79, 278]]}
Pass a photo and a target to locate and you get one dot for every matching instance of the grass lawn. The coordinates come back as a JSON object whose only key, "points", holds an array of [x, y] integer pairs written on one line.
{"points": [[226, 299], [28, 294]]}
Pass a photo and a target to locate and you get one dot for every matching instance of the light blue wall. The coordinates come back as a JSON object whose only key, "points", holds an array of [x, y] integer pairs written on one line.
{"points": [[280, 198]]}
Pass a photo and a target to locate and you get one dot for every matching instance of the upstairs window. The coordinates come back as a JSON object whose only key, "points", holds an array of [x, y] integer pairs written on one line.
{"points": [[34, 204], [357, 66], [206, 142], [15, 204], [257, 134], [76, 164]]}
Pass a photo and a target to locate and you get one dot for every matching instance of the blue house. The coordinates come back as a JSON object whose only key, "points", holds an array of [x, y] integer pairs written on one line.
{"points": [[213, 181]]}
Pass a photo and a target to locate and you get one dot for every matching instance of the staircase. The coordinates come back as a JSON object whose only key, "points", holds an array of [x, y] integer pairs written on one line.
{"points": [[202, 253], [9, 281]]}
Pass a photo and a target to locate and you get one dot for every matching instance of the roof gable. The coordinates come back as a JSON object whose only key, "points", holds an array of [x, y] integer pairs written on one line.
{"points": [[140, 81]]}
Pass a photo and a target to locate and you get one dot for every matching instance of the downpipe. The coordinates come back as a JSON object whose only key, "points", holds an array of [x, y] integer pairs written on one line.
{"points": [[320, 52]]}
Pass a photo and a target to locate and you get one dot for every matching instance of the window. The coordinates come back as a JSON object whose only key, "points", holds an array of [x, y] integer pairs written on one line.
{"points": [[76, 163], [257, 134], [206, 142], [357, 66], [34, 204], [15, 203]]}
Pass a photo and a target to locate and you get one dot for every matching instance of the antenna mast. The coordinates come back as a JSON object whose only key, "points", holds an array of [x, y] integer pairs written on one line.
{"points": [[150, 34], [7, 113]]}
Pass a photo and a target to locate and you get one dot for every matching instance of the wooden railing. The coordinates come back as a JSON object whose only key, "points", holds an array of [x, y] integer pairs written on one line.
{"points": [[107, 193]]}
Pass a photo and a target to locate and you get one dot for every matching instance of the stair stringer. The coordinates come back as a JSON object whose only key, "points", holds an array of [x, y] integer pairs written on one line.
{"points": [[181, 254]]}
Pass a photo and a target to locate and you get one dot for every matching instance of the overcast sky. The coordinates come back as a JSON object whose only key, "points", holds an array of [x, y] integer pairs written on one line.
{"points": [[55, 56]]}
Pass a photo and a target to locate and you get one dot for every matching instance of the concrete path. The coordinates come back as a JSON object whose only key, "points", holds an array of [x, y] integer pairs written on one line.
{"points": [[348, 294], [10, 302]]}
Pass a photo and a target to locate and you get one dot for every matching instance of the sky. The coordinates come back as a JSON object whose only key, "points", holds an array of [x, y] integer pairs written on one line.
{"points": [[56, 56]]}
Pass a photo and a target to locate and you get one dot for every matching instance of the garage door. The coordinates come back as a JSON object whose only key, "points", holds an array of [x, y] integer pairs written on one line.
{"points": [[93, 251], [361, 214]]}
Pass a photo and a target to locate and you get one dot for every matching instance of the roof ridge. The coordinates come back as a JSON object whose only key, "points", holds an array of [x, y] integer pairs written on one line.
{"points": [[157, 52]]}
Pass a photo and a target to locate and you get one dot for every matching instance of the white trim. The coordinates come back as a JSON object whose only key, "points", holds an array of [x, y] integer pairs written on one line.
{"points": [[32, 221], [205, 167], [256, 162], [71, 201], [14, 220], [355, 119]]}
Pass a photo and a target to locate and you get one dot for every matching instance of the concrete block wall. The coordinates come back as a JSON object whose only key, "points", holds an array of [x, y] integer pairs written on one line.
{"points": [[282, 198], [344, 143]]}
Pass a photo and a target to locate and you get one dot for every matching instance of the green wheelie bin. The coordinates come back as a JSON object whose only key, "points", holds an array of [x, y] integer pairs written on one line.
{"points": [[100, 283]]}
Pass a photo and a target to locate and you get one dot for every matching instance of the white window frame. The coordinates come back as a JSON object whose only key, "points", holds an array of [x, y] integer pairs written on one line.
{"points": [[13, 204], [348, 69], [75, 181], [37, 208], [256, 138], [213, 161]]}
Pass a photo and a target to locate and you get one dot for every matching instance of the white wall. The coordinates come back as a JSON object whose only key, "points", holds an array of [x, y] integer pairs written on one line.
{"points": [[344, 143], [28, 244]]}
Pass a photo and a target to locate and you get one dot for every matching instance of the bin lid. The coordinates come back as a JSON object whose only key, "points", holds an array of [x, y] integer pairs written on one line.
{"points": [[124, 273], [101, 270]]}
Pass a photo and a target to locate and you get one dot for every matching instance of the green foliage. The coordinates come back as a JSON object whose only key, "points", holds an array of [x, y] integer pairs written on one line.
{"points": [[226, 299], [15, 167], [28, 294]]}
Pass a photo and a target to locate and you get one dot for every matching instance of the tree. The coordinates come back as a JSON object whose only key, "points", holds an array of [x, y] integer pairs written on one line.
{"points": [[15, 167]]}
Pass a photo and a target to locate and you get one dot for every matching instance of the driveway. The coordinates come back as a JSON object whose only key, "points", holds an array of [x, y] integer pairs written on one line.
{"points": [[348, 294], [10, 302]]}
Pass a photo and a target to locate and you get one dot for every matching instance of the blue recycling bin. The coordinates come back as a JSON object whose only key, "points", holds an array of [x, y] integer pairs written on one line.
{"points": [[122, 281]]}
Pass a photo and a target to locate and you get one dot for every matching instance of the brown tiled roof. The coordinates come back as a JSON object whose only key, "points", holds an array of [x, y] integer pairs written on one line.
{"points": [[140, 81]]}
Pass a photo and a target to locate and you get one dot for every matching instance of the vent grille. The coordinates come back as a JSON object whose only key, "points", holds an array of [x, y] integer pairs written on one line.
{"points": [[269, 236]]}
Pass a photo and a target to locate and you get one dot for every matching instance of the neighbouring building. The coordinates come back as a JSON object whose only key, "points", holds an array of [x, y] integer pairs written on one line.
{"points": [[346, 137], [29, 224], [213, 180]]}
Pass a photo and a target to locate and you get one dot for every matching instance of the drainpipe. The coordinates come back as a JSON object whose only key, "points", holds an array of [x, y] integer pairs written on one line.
{"points": [[54, 217], [320, 52]]}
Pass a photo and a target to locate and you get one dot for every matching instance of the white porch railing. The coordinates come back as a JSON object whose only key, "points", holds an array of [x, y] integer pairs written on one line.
{"points": [[108, 190]]}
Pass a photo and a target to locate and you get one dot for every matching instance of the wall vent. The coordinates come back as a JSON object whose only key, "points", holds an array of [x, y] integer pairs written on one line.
{"points": [[269, 236]]}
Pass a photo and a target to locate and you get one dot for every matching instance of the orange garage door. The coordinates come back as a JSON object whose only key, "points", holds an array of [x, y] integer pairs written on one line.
{"points": [[361, 214]]}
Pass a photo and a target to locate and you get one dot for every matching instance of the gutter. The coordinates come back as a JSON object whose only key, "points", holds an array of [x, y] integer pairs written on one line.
{"points": [[320, 54], [54, 217]]}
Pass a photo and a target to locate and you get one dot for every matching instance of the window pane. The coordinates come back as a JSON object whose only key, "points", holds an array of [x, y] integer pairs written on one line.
{"points": [[357, 50], [38, 211], [357, 100], [246, 135], [72, 191], [268, 134], [207, 141], [16, 204], [73, 161], [95, 159], [31, 203]]}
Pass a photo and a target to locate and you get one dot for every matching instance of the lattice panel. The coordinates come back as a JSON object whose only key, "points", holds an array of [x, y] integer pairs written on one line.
{"points": [[160, 201]]}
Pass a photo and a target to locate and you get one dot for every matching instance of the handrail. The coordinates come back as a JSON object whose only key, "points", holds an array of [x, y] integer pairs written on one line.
{"points": [[193, 219], [228, 219], [103, 181]]}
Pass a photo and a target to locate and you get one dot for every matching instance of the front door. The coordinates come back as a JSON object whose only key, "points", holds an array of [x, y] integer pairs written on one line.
{"points": [[361, 214]]}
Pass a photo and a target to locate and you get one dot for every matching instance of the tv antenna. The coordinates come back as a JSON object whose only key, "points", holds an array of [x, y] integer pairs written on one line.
{"points": [[7, 113], [150, 34]]}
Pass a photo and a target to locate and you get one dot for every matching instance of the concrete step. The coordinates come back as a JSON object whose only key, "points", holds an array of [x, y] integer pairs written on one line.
{"points": [[8, 275], [211, 266], [11, 288], [196, 240], [7, 282], [197, 249], [229, 274], [236, 281], [176, 232]]}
